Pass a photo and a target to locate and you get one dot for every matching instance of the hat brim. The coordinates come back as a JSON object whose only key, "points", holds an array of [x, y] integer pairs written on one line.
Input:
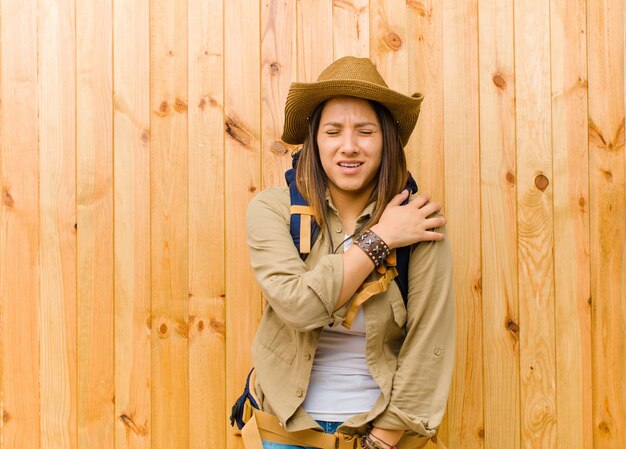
{"points": [[303, 98]]}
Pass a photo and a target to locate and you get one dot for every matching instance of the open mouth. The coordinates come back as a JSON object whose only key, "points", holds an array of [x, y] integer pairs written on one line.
{"points": [[350, 164]]}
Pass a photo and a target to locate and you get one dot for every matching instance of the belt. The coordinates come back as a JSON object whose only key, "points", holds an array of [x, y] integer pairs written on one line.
{"points": [[262, 426]]}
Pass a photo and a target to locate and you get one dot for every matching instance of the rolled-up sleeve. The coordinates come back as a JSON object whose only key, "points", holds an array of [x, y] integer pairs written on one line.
{"points": [[422, 381], [303, 298]]}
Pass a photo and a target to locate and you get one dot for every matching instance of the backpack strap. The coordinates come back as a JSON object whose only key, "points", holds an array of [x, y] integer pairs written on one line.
{"points": [[303, 228], [403, 254]]}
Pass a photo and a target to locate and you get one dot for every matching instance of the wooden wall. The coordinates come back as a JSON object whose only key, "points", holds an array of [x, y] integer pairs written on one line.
{"points": [[133, 133]]}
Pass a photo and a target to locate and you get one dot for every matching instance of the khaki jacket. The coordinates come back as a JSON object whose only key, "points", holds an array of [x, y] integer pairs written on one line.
{"points": [[410, 350]]}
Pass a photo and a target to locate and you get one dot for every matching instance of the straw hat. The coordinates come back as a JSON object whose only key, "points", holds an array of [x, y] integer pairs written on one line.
{"points": [[349, 76]]}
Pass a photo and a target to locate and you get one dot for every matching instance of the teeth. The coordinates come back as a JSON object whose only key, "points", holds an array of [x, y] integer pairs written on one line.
{"points": [[345, 164]]}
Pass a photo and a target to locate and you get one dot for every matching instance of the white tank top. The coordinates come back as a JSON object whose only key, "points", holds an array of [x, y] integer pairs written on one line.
{"points": [[341, 385]]}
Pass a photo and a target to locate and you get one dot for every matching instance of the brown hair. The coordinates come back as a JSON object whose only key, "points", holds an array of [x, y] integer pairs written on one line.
{"points": [[392, 174]]}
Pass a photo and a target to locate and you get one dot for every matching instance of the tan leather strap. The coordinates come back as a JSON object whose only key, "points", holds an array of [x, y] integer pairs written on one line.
{"points": [[266, 427], [305, 213], [366, 291], [301, 210]]}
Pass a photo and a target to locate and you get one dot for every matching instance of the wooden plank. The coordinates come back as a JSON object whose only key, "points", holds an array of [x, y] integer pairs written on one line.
{"points": [[425, 155], [388, 42], [94, 173], [425, 150], [498, 187], [278, 69], [605, 45], [19, 227], [571, 224], [462, 199], [314, 29], [169, 224], [351, 28], [131, 124], [207, 358], [57, 250], [242, 93], [535, 224]]}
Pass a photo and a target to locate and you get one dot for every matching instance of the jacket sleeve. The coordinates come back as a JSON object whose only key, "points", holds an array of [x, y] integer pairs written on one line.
{"points": [[425, 362], [303, 298]]}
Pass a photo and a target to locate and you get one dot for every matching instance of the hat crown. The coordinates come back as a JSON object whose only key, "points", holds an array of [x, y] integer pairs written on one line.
{"points": [[351, 68]]}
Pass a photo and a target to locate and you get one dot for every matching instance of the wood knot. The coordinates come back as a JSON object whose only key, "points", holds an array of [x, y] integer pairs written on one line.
{"points": [[164, 109], [75, 226], [499, 81], [589, 300], [278, 147], [419, 6], [183, 329], [510, 177], [274, 68], [237, 132], [512, 326], [218, 327], [607, 175], [481, 433], [252, 189], [180, 105], [393, 41], [478, 285], [207, 100], [170, 53], [7, 199], [130, 425], [541, 182], [604, 427], [200, 326], [145, 136], [163, 329], [5, 416]]}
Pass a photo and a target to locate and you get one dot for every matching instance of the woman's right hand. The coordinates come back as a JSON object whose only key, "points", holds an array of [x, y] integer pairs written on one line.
{"points": [[404, 225]]}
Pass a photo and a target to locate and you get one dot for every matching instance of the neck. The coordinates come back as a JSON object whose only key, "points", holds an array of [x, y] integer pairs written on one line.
{"points": [[349, 206]]}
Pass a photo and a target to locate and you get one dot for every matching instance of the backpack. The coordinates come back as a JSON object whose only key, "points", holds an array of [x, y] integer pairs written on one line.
{"points": [[304, 230]]}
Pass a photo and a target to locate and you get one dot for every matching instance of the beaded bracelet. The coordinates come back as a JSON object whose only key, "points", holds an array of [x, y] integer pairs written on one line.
{"points": [[373, 246]]}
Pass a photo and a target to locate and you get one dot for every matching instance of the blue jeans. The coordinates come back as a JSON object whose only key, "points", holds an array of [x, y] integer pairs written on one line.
{"points": [[328, 426]]}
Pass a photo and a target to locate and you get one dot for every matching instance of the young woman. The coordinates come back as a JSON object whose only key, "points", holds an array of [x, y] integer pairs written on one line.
{"points": [[386, 377]]}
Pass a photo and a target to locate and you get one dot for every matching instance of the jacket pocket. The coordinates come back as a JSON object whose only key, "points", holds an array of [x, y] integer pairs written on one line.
{"points": [[277, 337]]}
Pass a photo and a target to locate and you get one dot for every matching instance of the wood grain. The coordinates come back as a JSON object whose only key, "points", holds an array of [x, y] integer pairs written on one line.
{"points": [[242, 93], [462, 200], [20, 405], [498, 184], [169, 224], [207, 356], [131, 123], [57, 244], [535, 224], [425, 153], [94, 196], [571, 224], [278, 69], [388, 42], [314, 31], [351, 28], [607, 215]]}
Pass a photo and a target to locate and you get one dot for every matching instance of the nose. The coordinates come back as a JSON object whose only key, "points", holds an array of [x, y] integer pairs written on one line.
{"points": [[349, 144]]}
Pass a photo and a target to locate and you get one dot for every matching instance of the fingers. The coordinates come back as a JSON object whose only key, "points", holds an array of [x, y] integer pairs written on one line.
{"points": [[399, 198], [433, 236], [420, 200], [434, 222]]}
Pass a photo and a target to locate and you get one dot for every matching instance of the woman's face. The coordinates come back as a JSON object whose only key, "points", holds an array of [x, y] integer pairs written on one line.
{"points": [[350, 143]]}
